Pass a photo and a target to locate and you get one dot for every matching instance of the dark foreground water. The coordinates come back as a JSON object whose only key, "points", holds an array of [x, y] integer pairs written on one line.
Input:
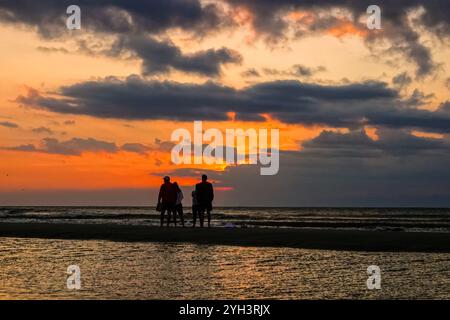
{"points": [[36, 269]]}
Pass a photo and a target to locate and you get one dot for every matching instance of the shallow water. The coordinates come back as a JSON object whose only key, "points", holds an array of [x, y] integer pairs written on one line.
{"points": [[36, 269]]}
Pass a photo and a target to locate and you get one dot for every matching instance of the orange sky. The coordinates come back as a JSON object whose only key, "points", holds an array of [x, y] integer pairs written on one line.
{"points": [[341, 51]]}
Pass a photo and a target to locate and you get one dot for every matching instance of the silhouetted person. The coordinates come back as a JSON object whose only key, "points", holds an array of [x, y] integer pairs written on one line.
{"points": [[178, 206], [205, 196], [167, 198], [195, 208]]}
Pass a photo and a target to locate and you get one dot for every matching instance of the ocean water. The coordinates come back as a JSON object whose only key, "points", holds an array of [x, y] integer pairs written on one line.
{"points": [[396, 219], [36, 269]]}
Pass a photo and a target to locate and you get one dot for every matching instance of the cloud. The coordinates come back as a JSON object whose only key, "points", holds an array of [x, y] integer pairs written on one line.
{"points": [[249, 73], [53, 50], [275, 19], [160, 57], [161, 145], [297, 70], [290, 101], [43, 130], [390, 142], [270, 19], [304, 71], [78, 146], [444, 108], [8, 124], [418, 98], [402, 80], [48, 17], [136, 148], [24, 147], [132, 26]]}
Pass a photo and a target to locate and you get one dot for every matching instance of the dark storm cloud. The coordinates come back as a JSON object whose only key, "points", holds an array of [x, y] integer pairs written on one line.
{"points": [[130, 22], [114, 16], [161, 57], [268, 20], [77, 146], [8, 124], [350, 105], [136, 17], [357, 143]]}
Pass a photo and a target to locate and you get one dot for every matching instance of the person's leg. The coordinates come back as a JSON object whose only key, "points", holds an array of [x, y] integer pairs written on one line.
{"points": [[169, 212], [163, 210], [194, 216], [180, 212], [175, 209], [209, 217], [202, 215]]}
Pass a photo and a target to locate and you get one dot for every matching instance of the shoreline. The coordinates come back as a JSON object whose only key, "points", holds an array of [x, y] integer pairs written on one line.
{"points": [[325, 239]]}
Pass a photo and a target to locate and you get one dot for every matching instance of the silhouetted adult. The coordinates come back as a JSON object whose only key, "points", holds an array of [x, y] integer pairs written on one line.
{"points": [[166, 199], [205, 196], [178, 205]]}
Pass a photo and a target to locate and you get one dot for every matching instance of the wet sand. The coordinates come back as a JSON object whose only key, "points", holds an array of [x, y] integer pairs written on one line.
{"points": [[354, 240]]}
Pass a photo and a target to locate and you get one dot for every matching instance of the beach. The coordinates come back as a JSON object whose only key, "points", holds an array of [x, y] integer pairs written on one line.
{"points": [[326, 239]]}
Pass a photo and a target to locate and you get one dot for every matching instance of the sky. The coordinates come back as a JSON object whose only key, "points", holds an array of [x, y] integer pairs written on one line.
{"points": [[86, 115]]}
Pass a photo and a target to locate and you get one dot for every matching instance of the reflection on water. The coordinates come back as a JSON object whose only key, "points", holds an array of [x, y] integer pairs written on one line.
{"points": [[36, 268]]}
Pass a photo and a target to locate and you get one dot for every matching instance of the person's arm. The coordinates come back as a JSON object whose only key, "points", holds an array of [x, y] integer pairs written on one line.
{"points": [[160, 194]]}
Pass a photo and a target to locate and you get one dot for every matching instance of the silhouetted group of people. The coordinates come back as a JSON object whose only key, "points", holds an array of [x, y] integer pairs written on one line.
{"points": [[170, 201]]}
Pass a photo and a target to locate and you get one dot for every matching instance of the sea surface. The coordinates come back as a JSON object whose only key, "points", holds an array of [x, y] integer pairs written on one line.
{"points": [[37, 268], [395, 219]]}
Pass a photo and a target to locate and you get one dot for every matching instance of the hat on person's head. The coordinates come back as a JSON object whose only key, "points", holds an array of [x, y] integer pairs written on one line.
{"points": [[166, 178]]}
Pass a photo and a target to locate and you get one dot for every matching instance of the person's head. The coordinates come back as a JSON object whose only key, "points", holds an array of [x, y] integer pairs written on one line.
{"points": [[166, 179], [204, 177], [177, 187], [194, 194]]}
